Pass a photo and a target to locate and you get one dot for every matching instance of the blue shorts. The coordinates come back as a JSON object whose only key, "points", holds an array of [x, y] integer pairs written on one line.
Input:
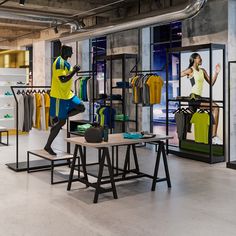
{"points": [[60, 107]]}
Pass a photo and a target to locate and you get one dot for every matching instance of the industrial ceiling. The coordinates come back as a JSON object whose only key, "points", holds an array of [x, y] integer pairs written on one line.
{"points": [[28, 18]]}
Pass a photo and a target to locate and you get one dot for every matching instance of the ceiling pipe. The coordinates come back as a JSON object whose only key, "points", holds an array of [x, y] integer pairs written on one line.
{"points": [[180, 13], [51, 20]]}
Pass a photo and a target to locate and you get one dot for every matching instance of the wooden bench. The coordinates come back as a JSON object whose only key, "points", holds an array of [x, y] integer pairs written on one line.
{"points": [[61, 159], [4, 130]]}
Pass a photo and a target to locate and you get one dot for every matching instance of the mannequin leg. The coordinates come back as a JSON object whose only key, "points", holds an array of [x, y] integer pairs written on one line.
{"points": [[53, 133], [78, 109], [215, 112]]}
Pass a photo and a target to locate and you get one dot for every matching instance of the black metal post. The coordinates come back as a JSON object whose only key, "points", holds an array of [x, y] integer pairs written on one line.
{"points": [[211, 100]]}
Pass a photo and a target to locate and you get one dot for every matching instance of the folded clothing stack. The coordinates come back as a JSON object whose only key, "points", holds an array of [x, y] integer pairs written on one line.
{"points": [[132, 135], [121, 117], [122, 84], [115, 97], [82, 128]]}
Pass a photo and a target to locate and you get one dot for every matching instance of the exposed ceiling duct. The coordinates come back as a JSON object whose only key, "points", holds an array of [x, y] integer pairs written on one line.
{"points": [[50, 20], [182, 12]]}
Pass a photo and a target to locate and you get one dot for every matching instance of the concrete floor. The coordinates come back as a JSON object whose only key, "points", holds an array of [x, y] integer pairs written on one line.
{"points": [[201, 201]]}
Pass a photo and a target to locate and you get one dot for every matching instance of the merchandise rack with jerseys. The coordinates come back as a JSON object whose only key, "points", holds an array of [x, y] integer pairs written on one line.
{"points": [[109, 61], [19, 164], [190, 149], [135, 71]]}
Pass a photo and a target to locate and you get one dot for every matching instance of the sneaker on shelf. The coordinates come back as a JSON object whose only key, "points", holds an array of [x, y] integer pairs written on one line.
{"points": [[8, 93], [8, 116], [217, 140]]}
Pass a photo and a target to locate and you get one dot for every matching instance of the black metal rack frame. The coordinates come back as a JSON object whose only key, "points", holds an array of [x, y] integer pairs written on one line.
{"points": [[196, 155], [89, 74], [123, 58], [230, 163], [22, 166]]}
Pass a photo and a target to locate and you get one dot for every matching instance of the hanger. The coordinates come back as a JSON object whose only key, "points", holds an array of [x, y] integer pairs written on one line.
{"points": [[203, 110]]}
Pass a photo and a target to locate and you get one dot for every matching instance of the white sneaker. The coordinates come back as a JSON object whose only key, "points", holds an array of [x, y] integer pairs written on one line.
{"points": [[217, 140]]}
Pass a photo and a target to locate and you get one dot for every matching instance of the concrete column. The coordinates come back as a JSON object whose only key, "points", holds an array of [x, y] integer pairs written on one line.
{"points": [[42, 63], [146, 65], [84, 55]]}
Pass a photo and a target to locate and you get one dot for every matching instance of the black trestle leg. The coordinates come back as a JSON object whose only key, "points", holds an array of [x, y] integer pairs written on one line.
{"points": [[110, 169], [72, 168], [127, 157], [166, 165], [158, 157], [100, 172]]}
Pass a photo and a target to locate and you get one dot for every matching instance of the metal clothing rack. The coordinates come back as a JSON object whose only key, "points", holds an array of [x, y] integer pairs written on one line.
{"points": [[177, 150], [118, 57], [22, 166], [92, 75], [137, 72]]}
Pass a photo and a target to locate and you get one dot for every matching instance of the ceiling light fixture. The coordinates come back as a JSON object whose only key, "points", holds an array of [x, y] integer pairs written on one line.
{"points": [[82, 24], [22, 2], [56, 30]]}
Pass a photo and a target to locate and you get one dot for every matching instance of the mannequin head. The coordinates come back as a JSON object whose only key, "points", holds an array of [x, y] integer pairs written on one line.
{"points": [[195, 60], [66, 52]]}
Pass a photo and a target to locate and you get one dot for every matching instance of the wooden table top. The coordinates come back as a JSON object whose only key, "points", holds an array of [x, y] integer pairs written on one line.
{"points": [[116, 140]]}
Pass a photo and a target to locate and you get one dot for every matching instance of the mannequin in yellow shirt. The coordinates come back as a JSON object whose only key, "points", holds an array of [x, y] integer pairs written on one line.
{"points": [[63, 103]]}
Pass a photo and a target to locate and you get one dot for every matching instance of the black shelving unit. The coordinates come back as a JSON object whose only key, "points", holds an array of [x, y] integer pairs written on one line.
{"points": [[108, 61], [176, 149], [230, 162]]}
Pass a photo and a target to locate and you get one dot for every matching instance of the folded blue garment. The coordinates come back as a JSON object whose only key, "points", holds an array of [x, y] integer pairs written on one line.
{"points": [[122, 84], [132, 135]]}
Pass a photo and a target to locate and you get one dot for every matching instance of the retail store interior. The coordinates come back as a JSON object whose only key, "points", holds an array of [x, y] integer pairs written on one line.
{"points": [[117, 117]]}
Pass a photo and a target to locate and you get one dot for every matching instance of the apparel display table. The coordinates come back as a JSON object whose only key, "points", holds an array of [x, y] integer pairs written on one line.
{"points": [[116, 140]]}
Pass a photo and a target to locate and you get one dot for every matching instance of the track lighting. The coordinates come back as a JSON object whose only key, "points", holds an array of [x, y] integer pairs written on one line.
{"points": [[22, 2], [82, 24], [56, 30]]}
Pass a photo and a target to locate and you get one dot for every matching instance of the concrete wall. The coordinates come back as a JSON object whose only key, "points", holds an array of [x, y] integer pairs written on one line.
{"points": [[209, 26]]}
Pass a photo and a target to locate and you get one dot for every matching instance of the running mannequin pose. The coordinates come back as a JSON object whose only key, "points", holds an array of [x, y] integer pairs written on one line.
{"points": [[63, 103], [197, 75]]}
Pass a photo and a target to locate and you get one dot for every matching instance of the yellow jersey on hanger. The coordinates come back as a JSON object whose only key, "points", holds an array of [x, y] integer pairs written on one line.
{"points": [[155, 84], [201, 123]]}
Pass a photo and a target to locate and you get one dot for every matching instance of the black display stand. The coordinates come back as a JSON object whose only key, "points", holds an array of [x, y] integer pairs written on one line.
{"points": [[177, 150], [111, 59], [230, 163]]}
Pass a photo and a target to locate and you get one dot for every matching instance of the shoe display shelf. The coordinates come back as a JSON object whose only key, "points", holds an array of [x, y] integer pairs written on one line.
{"points": [[10, 77]]}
